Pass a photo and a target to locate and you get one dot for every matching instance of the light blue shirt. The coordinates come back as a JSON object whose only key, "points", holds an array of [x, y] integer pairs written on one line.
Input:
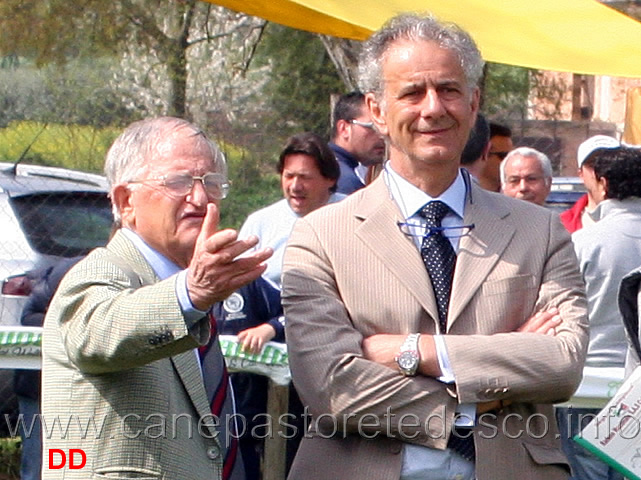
{"points": [[423, 463], [165, 268], [411, 200]]}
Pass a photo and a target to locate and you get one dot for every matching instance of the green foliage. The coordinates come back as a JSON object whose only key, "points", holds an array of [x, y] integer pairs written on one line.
{"points": [[78, 92], [84, 66], [246, 198], [10, 458], [57, 30], [301, 81], [66, 31], [512, 94], [505, 91], [254, 185], [75, 147]]}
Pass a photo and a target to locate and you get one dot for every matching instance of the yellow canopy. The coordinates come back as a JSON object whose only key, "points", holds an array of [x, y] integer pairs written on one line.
{"points": [[580, 36]]}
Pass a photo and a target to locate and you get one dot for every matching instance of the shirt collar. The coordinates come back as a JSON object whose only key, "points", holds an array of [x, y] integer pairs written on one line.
{"points": [[411, 199], [162, 266]]}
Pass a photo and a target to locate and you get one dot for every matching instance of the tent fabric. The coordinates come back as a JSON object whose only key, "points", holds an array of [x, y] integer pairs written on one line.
{"points": [[580, 36]]}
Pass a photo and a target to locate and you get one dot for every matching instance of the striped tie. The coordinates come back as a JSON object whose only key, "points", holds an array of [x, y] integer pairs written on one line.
{"points": [[220, 397]]}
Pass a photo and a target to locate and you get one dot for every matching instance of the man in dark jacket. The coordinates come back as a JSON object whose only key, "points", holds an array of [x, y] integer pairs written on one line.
{"points": [[27, 382], [355, 142], [629, 302], [253, 313]]}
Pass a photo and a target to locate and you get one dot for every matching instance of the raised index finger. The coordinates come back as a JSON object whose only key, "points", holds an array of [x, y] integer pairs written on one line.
{"points": [[210, 223]]}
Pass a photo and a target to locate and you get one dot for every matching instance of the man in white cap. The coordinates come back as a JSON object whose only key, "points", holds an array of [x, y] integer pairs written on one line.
{"points": [[581, 213]]}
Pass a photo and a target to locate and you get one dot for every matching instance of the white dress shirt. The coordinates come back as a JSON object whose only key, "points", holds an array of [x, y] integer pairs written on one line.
{"points": [[419, 462]]}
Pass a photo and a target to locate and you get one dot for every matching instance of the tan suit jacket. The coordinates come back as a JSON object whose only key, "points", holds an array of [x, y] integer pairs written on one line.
{"points": [[350, 273], [120, 359]]}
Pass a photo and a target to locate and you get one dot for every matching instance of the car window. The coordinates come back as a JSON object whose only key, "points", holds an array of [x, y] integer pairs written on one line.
{"points": [[65, 224], [565, 191]]}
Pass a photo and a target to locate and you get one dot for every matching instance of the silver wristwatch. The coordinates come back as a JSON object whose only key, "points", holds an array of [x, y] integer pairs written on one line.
{"points": [[409, 356]]}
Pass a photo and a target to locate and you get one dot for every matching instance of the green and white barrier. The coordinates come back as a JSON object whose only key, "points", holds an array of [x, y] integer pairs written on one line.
{"points": [[272, 361], [20, 347]]}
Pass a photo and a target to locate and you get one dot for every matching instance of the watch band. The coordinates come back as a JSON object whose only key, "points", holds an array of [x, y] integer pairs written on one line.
{"points": [[409, 356], [411, 342]]}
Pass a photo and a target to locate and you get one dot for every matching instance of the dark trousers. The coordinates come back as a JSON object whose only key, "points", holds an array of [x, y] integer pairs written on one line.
{"points": [[585, 466]]}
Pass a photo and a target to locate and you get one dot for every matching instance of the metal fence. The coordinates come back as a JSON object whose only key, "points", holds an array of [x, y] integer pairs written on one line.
{"points": [[45, 214]]}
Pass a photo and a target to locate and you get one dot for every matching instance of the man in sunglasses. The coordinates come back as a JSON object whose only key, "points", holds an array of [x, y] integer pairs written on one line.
{"points": [[129, 345], [355, 142], [500, 145]]}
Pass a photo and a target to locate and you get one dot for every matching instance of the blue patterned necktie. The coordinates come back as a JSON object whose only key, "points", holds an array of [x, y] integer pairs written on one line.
{"points": [[439, 258]]}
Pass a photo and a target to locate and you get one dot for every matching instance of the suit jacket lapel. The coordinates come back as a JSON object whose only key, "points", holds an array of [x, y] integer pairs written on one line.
{"points": [[480, 251], [188, 369], [379, 232]]}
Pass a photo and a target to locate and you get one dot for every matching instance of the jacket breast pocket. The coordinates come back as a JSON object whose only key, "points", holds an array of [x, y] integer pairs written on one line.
{"points": [[517, 283], [507, 302]]}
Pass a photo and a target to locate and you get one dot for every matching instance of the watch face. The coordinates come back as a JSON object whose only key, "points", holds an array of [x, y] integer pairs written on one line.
{"points": [[407, 361]]}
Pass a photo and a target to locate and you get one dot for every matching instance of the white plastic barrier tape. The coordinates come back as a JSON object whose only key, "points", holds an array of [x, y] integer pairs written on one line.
{"points": [[20, 347], [272, 361]]}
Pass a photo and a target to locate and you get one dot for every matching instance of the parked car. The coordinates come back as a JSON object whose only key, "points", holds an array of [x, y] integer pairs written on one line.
{"points": [[564, 192], [45, 213]]}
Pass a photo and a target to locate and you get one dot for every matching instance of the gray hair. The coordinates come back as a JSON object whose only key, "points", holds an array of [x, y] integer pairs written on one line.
{"points": [[528, 152], [131, 153], [415, 27]]}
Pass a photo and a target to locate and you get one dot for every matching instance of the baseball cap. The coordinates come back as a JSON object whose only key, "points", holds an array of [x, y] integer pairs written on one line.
{"points": [[595, 143]]}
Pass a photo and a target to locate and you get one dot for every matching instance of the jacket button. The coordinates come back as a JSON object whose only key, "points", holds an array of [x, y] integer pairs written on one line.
{"points": [[212, 453]]}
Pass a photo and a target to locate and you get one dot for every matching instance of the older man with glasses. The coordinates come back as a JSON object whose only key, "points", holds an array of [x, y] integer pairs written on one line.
{"points": [[129, 345], [355, 142], [526, 174]]}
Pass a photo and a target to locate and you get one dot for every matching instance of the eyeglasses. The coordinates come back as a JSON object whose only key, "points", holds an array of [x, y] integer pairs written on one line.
{"points": [[216, 185], [423, 231], [528, 179], [501, 155], [369, 125]]}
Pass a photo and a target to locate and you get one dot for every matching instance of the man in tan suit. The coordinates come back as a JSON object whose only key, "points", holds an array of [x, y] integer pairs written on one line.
{"points": [[121, 366], [384, 382]]}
